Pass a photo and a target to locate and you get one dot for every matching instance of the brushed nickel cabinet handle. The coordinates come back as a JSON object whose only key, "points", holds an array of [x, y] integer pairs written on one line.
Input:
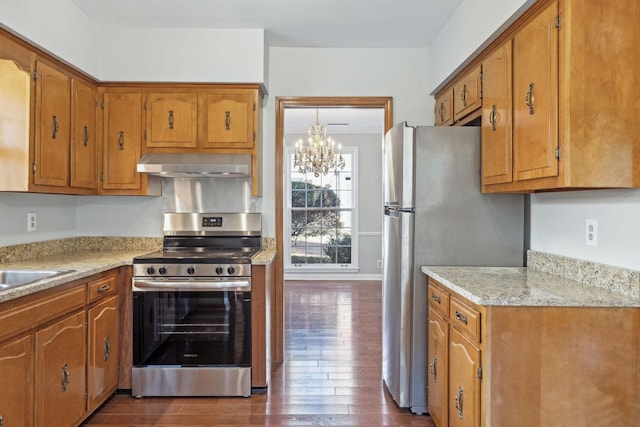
{"points": [[461, 317], [107, 349], [86, 136], [458, 401], [530, 98], [227, 120], [104, 288], [55, 127], [66, 377], [436, 298], [170, 119], [121, 140], [1, 421], [493, 117]]}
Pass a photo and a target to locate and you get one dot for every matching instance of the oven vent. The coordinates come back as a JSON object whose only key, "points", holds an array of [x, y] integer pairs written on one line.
{"points": [[187, 165]]}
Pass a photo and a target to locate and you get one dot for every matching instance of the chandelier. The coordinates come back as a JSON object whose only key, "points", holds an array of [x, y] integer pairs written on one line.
{"points": [[319, 155]]}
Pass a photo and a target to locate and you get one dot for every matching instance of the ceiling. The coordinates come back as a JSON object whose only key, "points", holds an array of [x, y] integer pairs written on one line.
{"points": [[288, 23]]}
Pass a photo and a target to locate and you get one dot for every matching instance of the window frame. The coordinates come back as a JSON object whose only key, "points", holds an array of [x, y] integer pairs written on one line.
{"points": [[287, 209]]}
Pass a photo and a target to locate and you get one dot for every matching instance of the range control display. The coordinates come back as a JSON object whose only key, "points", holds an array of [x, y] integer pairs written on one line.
{"points": [[212, 221]]}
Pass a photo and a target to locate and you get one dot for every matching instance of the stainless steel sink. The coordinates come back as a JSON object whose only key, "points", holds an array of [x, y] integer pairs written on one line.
{"points": [[11, 278]]}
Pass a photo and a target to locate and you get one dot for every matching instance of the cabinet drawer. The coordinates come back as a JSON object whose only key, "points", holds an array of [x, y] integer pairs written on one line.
{"points": [[26, 314], [465, 319], [438, 299], [102, 287]]}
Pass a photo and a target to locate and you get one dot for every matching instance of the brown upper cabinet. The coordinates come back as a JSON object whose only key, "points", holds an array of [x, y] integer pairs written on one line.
{"points": [[52, 127], [65, 133], [496, 116], [123, 134], [574, 93], [467, 94], [172, 120], [444, 108], [229, 119], [84, 136]]}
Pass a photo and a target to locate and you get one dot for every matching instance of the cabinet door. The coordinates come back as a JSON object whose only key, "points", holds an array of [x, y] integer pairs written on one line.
{"points": [[172, 120], [61, 373], [102, 369], [535, 97], [229, 119], [16, 392], [122, 139], [51, 156], [467, 95], [464, 382], [437, 374], [496, 117], [84, 147], [444, 109]]}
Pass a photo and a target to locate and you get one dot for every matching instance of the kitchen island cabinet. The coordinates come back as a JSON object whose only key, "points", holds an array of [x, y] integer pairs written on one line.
{"points": [[548, 351]]}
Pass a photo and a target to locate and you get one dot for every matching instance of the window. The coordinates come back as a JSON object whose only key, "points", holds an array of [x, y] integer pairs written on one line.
{"points": [[320, 217]]}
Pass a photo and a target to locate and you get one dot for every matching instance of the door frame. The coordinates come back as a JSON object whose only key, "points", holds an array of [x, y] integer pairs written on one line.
{"points": [[283, 102]]}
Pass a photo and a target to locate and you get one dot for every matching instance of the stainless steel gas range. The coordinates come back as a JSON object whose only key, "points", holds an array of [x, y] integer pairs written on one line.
{"points": [[192, 307]]}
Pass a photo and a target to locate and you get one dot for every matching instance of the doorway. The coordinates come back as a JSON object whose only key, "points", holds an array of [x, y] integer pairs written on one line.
{"points": [[283, 103]]}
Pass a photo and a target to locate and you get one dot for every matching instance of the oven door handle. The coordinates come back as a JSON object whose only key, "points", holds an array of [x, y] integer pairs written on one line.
{"points": [[192, 285]]}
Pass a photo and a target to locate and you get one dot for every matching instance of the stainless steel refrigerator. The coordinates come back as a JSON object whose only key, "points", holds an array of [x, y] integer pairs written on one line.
{"points": [[434, 214]]}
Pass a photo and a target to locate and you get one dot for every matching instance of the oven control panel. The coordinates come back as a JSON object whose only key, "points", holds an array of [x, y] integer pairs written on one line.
{"points": [[191, 270], [212, 221]]}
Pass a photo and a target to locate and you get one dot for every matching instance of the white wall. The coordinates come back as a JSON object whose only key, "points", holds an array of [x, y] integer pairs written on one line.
{"points": [[119, 216], [558, 225], [56, 217], [182, 55], [57, 26], [469, 29], [400, 73]]}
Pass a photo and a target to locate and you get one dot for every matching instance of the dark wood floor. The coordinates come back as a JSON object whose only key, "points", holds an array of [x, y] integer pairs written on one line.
{"points": [[331, 375]]}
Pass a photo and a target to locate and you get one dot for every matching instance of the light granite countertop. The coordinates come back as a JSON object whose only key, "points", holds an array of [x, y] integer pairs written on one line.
{"points": [[83, 264], [520, 286], [86, 257]]}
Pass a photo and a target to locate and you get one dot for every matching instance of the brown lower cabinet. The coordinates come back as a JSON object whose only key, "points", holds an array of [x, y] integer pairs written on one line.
{"points": [[541, 366], [59, 351]]}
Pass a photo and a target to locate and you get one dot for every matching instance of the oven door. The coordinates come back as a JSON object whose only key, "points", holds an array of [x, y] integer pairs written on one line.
{"points": [[192, 323]]}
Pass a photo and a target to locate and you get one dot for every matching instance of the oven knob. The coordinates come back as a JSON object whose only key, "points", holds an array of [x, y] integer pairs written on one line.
{"points": [[219, 270], [231, 270], [162, 270], [191, 270], [151, 270]]}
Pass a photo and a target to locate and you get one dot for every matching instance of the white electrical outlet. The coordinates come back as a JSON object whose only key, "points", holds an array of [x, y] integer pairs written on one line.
{"points": [[379, 263], [32, 225], [591, 232]]}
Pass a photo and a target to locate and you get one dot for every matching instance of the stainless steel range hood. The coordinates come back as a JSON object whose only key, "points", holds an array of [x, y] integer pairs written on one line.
{"points": [[186, 165]]}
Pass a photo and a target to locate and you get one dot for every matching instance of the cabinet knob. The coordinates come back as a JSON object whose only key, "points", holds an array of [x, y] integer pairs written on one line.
{"points": [[493, 117], [227, 120], [86, 136], [436, 298], [121, 140]]}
